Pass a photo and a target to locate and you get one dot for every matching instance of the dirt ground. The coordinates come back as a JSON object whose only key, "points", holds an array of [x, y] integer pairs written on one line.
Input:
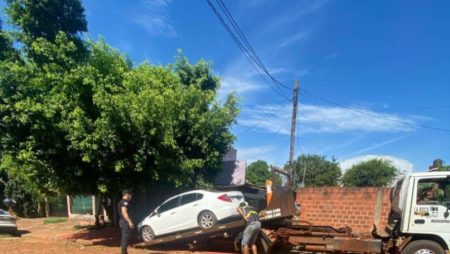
{"points": [[73, 236]]}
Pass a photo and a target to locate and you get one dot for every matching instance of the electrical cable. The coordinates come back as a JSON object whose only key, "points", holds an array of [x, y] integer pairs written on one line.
{"points": [[251, 57]]}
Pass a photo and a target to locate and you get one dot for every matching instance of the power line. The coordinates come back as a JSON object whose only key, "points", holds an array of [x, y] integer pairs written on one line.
{"points": [[247, 43], [277, 133], [256, 62], [422, 107], [272, 114], [251, 56]]}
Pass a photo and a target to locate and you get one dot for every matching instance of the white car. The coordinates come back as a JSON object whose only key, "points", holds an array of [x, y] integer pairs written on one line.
{"points": [[189, 210], [7, 222]]}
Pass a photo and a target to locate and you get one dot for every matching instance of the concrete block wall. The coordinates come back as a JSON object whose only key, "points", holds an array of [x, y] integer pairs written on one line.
{"points": [[358, 208]]}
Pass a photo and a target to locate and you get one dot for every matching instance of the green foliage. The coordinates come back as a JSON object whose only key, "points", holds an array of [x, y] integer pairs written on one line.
{"points": [[45, 19], [107, 125], [258, 172], [98, 124], [7, 52], [28, 202], [319, 171], [372, 173]]}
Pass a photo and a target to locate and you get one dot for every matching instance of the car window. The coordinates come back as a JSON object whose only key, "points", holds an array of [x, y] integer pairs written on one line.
{"points": [[168, 205], [2, 212], [433, 191], [191, 197], [188, 198]]}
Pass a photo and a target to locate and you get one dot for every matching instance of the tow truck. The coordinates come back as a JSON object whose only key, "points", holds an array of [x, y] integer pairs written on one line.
{"points": [[418, 223]]}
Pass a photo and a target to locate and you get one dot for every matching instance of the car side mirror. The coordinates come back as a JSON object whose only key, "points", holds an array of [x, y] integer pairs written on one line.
{"points": [[157, 213]]}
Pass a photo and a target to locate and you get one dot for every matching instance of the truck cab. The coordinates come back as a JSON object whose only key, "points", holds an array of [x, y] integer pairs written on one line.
{"points": [[420, 219]]}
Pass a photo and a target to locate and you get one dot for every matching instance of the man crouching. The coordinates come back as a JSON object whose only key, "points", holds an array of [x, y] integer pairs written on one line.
{"points": [[252, 229]]}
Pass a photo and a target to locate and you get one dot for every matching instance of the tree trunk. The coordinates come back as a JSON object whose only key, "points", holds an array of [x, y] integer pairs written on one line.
{"points": [[115, 215], [99, 209], [47, 206]]}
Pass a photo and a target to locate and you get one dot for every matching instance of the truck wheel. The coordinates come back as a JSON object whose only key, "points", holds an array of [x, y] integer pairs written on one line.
{"points": [[423, 247], [147, 234], [207, 220]]}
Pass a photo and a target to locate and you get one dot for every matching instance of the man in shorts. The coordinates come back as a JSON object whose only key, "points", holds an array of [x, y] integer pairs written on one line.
{"points": [[252, 229]]}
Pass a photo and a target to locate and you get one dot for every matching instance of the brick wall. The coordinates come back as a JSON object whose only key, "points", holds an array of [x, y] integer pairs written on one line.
{"points": [[358, 208]]}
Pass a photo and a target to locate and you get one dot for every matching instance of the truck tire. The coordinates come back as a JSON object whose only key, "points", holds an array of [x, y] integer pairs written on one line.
{"points": [[263, 243], [423, 247], [207, 219], [147, 234]]}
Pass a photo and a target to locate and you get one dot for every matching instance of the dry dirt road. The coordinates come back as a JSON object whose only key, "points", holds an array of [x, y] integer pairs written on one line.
{"points": [[73, 236]]}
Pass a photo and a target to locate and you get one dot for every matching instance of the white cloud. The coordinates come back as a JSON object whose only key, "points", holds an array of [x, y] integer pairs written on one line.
{"points": [[380, 144], [241, 86], [292, 39], [332, 56], [154, 17], [307, 7], [320, 119]]}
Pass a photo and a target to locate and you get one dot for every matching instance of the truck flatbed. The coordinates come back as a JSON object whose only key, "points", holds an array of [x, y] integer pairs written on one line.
{"points": [[198, 234]]}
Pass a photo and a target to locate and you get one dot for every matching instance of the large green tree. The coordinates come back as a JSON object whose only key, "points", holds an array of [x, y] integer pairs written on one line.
{"points": [[318, 171], [371, 173], [45, 19], [258, 172], [97, 124]]}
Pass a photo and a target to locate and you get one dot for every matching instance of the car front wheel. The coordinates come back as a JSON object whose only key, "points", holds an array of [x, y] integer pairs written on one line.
{"points": [[207, 220], [147, 234]]}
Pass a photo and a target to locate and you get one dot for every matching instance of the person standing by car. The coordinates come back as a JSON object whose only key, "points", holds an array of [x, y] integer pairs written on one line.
{"points": [[125, 223], [253, 228], [9, 203]]}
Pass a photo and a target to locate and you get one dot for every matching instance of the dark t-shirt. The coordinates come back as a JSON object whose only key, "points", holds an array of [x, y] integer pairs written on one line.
{"points": [[123, 203]]}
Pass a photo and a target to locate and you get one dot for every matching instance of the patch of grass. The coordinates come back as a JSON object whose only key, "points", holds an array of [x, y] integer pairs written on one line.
{"points": [[79, 227], [55, 220]]}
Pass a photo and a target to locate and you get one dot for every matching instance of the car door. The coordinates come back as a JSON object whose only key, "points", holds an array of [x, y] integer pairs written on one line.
{"points": [[431, 206], [190, 207], [166, 218]]}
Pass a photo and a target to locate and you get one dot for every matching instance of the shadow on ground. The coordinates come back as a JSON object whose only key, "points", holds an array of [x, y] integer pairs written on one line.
{"points": [[107, 236]]}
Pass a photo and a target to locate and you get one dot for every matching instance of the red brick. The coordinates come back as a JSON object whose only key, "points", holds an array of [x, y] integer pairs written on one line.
{"points": [[335, 206]]}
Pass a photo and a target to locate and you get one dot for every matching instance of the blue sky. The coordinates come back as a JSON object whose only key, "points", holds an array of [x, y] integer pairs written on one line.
{"points": [[387, 60]]}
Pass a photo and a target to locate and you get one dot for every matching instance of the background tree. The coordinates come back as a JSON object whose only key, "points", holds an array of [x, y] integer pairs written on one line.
{"points": [[371, 173], [438, 164], [258, 172], [319, 171]]}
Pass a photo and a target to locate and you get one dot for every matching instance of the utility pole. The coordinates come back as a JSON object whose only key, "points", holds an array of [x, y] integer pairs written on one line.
{"points": [[293, 124]]}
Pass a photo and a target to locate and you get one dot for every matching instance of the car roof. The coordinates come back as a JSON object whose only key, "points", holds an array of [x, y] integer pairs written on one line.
{"points": [[194, 191]]}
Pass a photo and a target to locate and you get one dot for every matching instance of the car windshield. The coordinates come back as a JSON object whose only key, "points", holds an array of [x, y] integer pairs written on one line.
{"points": [[3, 212]]}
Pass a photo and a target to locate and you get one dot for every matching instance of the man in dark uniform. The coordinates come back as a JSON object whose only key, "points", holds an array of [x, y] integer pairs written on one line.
{"points": [[252, 229], [125, 223]]}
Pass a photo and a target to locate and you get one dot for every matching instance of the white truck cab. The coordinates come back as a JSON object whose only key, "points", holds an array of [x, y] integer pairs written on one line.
{"points": [[420, 217]]}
